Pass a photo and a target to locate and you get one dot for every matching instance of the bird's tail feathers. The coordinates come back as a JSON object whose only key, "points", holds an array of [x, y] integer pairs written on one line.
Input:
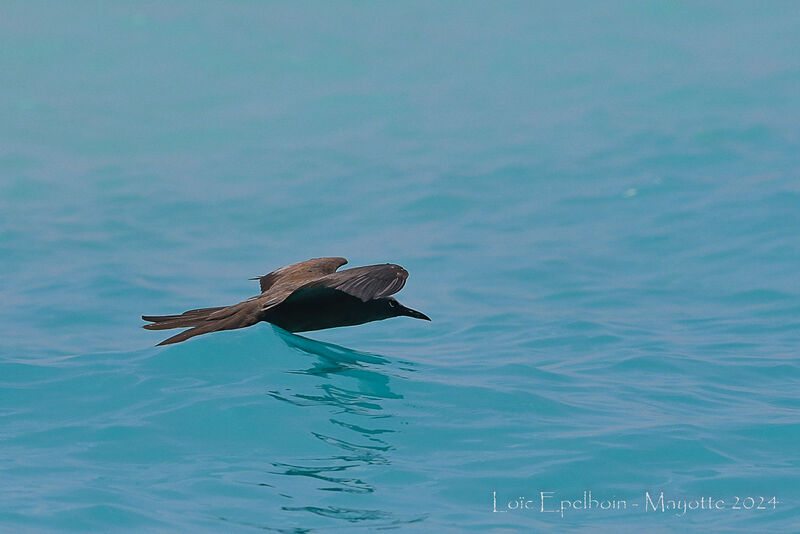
{"points": [[187, 318], [204, 320]]}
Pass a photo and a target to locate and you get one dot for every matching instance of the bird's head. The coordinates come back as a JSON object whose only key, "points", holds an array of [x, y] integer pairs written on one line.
{"points": [[392, 308]]}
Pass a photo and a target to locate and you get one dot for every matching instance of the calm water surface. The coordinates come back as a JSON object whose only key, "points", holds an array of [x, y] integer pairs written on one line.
{"points": [[599, 206]]}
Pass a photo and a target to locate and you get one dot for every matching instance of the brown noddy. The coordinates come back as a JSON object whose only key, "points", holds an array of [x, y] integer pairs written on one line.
{"points": [[304, 296]]}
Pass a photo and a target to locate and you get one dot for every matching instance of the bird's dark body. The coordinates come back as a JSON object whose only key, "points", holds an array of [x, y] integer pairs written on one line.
{"points": [[327, 309], [305, 296]]}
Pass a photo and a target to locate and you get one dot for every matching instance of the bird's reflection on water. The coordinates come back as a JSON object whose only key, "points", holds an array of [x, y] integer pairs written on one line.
{"points": [[361, 426], [334, 358]]}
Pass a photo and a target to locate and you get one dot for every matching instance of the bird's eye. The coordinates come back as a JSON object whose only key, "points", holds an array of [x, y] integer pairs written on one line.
{"points": [[392, 303]]}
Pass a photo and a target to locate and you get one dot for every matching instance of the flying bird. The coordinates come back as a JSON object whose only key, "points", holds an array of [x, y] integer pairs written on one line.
{"points": [[304, 296]]}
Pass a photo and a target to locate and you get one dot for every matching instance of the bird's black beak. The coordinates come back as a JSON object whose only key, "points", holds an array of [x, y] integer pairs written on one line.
{"points": [[415, 314]]}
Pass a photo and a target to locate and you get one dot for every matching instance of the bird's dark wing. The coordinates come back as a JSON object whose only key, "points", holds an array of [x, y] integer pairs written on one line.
{"points": [[365, 283], [303, 271]]}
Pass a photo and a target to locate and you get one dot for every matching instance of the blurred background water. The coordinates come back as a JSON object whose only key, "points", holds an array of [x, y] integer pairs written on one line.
{"points": [[598, 205]]}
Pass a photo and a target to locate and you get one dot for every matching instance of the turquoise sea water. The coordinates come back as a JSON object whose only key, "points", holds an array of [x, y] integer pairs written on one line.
{"points": [[599, 206]]}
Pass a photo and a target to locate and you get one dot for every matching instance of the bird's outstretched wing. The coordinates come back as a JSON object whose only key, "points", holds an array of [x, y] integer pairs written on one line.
{"points": [[302, 271], [365, 283]]}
